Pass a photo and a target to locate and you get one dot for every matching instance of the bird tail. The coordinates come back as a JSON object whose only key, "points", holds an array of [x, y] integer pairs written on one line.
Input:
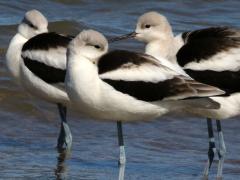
{"points": [[191, 104], [205, 90], [203, 103]]}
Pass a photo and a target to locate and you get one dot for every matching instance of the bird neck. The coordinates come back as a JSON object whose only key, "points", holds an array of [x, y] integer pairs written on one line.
{"points": [[165, 51], [178, 43], [13, 55], [163, 48], [82, 80]]}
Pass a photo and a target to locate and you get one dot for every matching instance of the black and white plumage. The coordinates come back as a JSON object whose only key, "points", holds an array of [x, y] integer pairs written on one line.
{"points": [[168, 87], [203, 44], [126, 86], [208, 55], [40, 73], [214, 61], [33, 23], [212, 56], [129, 90], [43, 71], [119, 87], [45, 56]]}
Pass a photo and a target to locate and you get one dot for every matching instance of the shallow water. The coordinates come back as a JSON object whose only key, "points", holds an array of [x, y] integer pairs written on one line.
{"points": [[168, 148]]}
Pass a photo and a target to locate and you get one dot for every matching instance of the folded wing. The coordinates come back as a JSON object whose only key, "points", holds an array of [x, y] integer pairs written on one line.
{"points": [[212, 56], [144, 78], [45, 56]]}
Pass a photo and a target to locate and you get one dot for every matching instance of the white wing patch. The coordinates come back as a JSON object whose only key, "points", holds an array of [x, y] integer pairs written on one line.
{"points": [[223, 61], [54, 57], [144, 72]]}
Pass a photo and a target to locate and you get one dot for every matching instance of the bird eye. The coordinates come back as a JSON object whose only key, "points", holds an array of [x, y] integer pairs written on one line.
{"points": [[32, 26], [147, 26], [97, 46]]}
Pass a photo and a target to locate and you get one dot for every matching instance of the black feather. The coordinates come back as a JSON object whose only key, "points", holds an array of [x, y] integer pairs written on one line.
{"points": [[149, 91], [228, 81], [205, 43], [46, 41], [46, 73], [118, 58]]}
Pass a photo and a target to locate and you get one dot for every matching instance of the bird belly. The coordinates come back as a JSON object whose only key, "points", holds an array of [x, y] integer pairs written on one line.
{"points": [[40, 88]]}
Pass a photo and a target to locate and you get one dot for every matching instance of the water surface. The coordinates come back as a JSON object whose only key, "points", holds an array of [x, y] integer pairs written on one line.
{"points": [[168, 148]]}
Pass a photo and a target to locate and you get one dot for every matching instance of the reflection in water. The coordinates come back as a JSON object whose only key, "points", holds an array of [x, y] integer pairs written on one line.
{"points": [[61, 167]]}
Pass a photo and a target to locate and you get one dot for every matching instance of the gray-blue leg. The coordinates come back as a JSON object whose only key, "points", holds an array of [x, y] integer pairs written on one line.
{"points": [[65, 136], [211, 150], [222, 150], [121, 171], [122, 158]]}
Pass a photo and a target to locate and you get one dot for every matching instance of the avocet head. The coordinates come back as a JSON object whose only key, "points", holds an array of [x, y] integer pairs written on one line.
{"points": [[152, 26], [32, 24], [90, 44]]}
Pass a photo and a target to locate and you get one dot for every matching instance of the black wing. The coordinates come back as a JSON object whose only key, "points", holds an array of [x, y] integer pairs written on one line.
{"points": [[205, 43], [144, 78], [46, 73], [46, 41], [149, 91], [226, 80], [38, 56], [201, 46], [118, 58]]}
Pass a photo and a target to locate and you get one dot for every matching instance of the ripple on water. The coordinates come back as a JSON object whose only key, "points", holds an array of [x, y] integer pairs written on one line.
{"points": [[168, 148]]}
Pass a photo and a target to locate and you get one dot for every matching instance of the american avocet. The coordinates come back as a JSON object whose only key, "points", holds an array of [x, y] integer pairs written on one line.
{"points": [[42, 73], [36, 59], [126, 86], [32, 24], [210, 56]]}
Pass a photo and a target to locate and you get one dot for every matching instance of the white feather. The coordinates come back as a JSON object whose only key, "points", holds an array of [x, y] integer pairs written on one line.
{"points": [[222, 61], [41, 89], [146, 73], [54, 57], [99, 100], [13, 56]]}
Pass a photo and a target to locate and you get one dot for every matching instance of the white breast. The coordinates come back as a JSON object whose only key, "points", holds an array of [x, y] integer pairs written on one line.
{"points": [[99, 100], [13, 56]]}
